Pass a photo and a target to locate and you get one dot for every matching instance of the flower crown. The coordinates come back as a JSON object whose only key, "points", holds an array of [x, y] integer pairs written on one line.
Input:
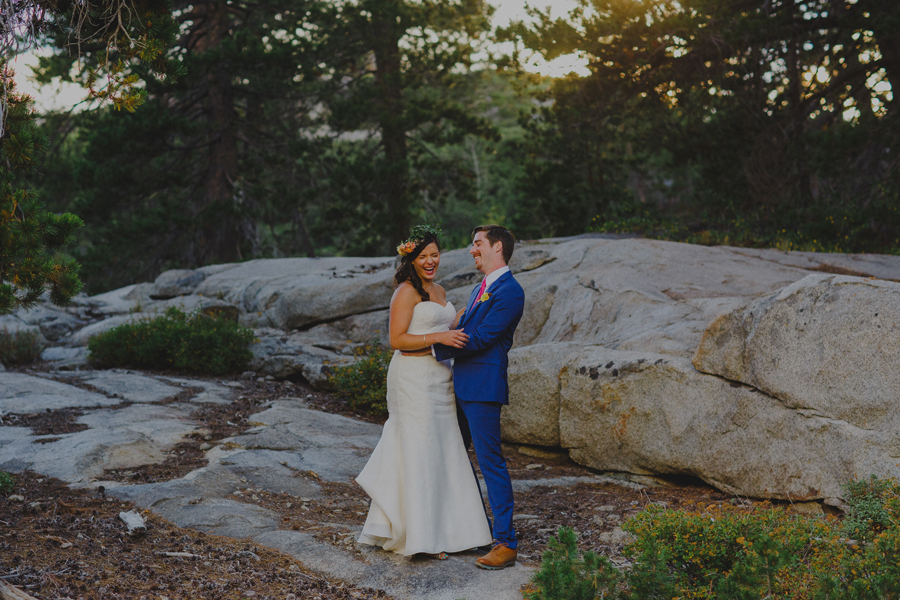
{"points": [[418, 233]]}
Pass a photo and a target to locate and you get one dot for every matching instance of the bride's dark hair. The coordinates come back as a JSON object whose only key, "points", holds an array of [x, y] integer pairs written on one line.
{"points": [[407, 271]]}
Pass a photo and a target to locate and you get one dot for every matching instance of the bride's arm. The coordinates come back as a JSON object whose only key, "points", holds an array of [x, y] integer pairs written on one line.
{"points": [[458, 317], [402, 305]]}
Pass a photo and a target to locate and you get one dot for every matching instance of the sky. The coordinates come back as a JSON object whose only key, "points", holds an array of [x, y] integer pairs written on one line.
{"points": [[56, 96]]}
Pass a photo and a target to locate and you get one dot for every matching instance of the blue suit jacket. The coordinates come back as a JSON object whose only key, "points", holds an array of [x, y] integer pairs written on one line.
{"points": [[479, 368]]}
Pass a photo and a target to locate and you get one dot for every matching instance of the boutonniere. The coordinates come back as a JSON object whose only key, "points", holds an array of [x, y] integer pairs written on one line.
{"points": [[484, 298]]}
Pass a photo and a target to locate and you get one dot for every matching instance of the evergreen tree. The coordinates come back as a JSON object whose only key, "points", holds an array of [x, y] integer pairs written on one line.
{"points": [[780, 113], [410, 56], [296, 127], [209, 158], [31, 238]]}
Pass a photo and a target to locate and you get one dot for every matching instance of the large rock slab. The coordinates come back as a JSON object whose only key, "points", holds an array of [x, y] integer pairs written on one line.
{"points": [[655, 414], [26, 394], [177, 282], [127, 437], [53, 322], [301, 356], [532, 416], [300, 292], [12, 324], [827, 343], [130, 386], [637, 294]]}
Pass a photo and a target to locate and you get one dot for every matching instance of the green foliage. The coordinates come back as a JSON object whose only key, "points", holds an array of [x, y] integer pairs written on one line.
{"points": [[715, 551], [870, 573], [18, 347], [303, 128], [718, 552], [7, 482], [727, 121], [31, 237], [118, 38], [874, 507], [567, 574], [364, 383], [192, 343]]}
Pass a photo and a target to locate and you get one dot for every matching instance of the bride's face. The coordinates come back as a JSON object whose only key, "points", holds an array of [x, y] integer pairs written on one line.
{"points": [[427, 262]]}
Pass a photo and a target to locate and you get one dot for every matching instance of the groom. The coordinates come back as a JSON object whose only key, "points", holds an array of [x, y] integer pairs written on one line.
{"points": [[479, 377]]}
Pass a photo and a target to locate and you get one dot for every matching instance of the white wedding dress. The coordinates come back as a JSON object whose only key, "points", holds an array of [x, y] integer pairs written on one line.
{"points": [[424, 494]]}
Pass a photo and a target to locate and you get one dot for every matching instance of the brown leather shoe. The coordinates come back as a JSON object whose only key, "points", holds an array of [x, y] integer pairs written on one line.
{"points": [[500, 557]]}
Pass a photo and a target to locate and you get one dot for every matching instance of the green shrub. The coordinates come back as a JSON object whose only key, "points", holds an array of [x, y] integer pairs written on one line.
{"points": [[193, 343], [364, 383], [18, 348], [725, 552], [874, 507], [566, 574], [870, 573], [7, 482]]}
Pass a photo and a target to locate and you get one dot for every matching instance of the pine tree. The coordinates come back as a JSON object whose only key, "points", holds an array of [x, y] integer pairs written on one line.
{"points": [[297, 126], [771, 112], [31, 238], [125, 35]]}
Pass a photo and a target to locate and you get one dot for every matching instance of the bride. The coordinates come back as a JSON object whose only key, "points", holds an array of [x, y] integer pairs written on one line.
{"points": [[425, 498]]}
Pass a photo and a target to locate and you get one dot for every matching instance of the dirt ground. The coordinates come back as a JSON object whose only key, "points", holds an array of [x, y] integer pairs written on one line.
{"points": [[59, 543]]}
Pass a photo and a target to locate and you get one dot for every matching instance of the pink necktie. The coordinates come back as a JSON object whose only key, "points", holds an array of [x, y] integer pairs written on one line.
{"points": [[481, 290]]}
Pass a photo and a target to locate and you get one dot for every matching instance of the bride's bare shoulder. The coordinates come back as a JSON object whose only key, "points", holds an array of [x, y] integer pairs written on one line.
{"points": [[406, 294]]}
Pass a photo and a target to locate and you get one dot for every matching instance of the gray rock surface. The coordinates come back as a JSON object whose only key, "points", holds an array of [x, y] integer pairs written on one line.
{"points": [[532, 416], [84, 335], [130, 386], [649, 297], [20, 393], [827, 344], [126, 437], [289, 438], [646, 413], [305, 355], [65, 359], [54, 323], [291, 293], [177, 282], [12, 324], [651, 414]]}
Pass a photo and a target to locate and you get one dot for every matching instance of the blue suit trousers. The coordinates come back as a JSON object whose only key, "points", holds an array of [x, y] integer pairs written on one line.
{"points": [[483, 420]]}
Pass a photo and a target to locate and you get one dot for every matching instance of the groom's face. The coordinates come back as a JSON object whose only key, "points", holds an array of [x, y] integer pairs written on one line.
{"points": [[487, 258]]}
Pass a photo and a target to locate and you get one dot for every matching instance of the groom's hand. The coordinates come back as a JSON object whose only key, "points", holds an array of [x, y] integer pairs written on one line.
{"points": [[455, 338]]}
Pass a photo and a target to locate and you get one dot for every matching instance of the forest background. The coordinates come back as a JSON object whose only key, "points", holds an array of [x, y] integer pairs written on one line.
{"points": [[273, 128]]}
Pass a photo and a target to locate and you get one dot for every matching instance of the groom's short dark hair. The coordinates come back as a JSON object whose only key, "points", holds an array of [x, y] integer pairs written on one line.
{"points": [[496, 233]]}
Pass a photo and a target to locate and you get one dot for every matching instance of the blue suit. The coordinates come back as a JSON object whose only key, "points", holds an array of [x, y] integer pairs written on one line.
{"points": [[481, 386]]}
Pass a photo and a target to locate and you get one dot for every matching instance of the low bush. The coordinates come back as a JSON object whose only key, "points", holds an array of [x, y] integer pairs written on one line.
{"points": [[736, 553], [177, 341], [566, 574], [728, 552], [18, 347], [7, 482], [364, 383], [874, 507]]}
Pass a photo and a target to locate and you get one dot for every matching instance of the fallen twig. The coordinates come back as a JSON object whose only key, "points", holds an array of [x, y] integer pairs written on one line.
{"points": [[10, 592]]}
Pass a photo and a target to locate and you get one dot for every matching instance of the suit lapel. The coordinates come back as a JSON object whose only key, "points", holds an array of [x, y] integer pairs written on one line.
{"points": [[493, 289], [470, 305]]}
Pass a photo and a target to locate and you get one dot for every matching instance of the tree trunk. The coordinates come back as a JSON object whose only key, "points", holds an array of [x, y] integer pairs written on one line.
{"points": [[798, 120], [219, 214], [391, 118]]}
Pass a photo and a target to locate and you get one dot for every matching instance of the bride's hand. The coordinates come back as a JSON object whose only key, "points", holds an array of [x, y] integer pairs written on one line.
{"points": [[454, 338]]}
